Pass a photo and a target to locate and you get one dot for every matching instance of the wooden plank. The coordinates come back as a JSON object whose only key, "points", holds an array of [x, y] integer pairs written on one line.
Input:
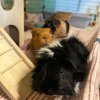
{"points": [[16, 48], [24, 88], [4, 46], [16, 74], [7, 88], [1, 36], [8, 60]]}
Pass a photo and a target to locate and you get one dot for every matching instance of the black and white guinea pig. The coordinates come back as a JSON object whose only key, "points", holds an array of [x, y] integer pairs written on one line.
{"points": [[61, 67]]}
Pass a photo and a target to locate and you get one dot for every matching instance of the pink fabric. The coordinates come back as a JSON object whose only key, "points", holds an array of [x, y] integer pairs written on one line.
{"points": [[91, 90]]}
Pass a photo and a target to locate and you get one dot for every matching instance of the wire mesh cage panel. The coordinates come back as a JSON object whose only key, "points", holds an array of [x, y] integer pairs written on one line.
{"points": [[81, 6]]}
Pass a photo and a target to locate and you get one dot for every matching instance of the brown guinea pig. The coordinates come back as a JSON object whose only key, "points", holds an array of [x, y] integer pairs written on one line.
{"points": [[40, 37]]}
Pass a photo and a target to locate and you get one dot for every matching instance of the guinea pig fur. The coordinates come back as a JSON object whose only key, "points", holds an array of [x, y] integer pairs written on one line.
{"points": [[60, 67], [59, 28], [40, 38]]}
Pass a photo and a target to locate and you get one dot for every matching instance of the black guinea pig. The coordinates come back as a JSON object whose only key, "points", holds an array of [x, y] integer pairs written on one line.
{"points": [[61, 67]]}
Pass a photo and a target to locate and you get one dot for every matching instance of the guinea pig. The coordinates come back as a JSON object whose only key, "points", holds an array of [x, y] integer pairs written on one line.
{"points": [[40, 37], [60, 67], [60, 28]]}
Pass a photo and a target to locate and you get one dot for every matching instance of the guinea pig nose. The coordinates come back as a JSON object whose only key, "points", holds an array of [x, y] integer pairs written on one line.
{"points": [[44, 37]]}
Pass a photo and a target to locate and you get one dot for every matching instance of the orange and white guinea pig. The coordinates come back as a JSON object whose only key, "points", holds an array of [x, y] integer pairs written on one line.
{"points": [[40, 37]]}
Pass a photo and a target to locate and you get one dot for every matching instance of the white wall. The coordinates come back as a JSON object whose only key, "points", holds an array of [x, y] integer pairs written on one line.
{"points": [[15, 17]]}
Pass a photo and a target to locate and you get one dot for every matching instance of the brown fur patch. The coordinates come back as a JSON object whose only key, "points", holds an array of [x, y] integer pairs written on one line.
{"points": [[40, 38], [63, 15], [60, 30]]}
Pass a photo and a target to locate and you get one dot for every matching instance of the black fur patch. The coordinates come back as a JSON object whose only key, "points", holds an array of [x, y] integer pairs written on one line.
{"points": [[67, 26], [58, 74]]}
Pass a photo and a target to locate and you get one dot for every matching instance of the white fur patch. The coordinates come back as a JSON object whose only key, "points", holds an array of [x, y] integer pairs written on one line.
{"points": [[55, 43], [48, 51], [76, 89], [45, 50]]}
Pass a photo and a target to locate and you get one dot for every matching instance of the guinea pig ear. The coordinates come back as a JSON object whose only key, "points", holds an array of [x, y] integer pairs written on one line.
{"points": [[56, 22], [67, 26], [33, 33]]}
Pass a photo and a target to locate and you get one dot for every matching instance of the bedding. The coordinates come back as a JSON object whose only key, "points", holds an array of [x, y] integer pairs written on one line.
{"points": [[90, 86]]}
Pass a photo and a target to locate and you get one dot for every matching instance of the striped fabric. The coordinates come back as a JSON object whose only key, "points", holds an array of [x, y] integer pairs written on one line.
{"points": [[89, 88], [91, 91], [3, 95]]}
